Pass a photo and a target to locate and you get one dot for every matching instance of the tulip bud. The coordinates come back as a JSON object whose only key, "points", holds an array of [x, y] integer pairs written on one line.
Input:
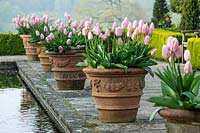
{"points": [[187, 55], [107, 32], [145, 29], [154, 51], [90, 36], [61, 49], [37, 33], [165, 52], [65, 31], [120, 41], [151, 28], [70, 35], [114, 26], [41, 36], [129, 33], [45, 29], [179, 52], [118, 31], [84, 31], [135, 24], [147, 40], [172, 44], [130, 27], [78, 46], [68, 42], [67, 16], [188, 67]]}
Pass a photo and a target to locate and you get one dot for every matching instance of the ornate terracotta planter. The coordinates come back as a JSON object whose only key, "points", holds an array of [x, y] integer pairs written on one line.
{"points": [[31, 52], [44, 58], [181, 121], [67, 75], [117, 94]]}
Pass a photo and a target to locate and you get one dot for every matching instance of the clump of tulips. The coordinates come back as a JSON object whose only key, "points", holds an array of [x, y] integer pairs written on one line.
{"points": [[179, 91], [121, 46]]}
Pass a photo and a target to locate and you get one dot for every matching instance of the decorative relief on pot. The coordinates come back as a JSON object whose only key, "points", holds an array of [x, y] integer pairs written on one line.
{"points": [[61, 63], [117, 85], [69, 62]]}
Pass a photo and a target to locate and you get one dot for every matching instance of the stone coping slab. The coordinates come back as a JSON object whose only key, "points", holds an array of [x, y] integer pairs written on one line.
{"points": [[75, 111]]}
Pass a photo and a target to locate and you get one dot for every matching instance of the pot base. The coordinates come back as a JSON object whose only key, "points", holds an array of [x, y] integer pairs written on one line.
{"points": [[116, 116], [70, 85]]}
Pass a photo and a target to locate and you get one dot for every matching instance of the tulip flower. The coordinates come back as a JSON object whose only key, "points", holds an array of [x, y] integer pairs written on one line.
{"points": [[130, 27], [188, 67], [107, 32], [51, 28], [65, 31], [45, 29], [128, 33], [179, 52], [147, 40], [141, 22], [67, 16], [154, 51], [187, 55], [37, 33], [133, 36], [120, 41], [27, 26], [135, 24], [123, 25], [165, 52], [172, 44], [78, 46], [61, 49], [114, 26], [68, 42], [84, 31], [90, 36], [151, 28], [70, 35], [41, 36], [145, 29], [118, 31], [75, 24]]}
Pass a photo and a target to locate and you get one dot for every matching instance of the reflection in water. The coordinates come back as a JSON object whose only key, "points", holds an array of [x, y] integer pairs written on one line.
{"points": [[19, 113]]}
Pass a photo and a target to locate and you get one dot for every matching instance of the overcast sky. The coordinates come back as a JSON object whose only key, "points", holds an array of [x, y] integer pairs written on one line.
{"points": [[78, 8]]}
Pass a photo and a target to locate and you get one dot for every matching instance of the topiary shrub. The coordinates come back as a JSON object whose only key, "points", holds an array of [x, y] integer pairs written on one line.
{"points": [[194, 47], [11, 44], [159, 38]]}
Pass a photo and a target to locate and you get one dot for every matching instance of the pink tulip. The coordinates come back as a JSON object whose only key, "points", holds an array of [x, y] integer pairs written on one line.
{"points": [[126, 21], [65, 32], [51, 35], [75, 24], [87, 24], [51, 28], [172, 44], [118, 31], [97, 30], [135, 24], [128, 33], [104, 37], [133, 36], [147, 40], [145, 29], [120, 41], [114, 26], [81, 23], [187, 55], [188, 67], [154, 51], [123, 25], [179, 52], [84, 31], [41, 36], [37, 33], [165, 52], [107, 32], [130, 27], [27, 26], [141, 22], [91, 21], [70, 35], [78, 46], [68, 42], [61, 49], [67, 16], [151, 28], [45, 29], [74, 31], [90, 36]]}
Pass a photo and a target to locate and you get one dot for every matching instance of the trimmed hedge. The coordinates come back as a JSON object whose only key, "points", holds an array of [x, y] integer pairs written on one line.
{"points": [[194, 47], [159, 38], [11, 44]]}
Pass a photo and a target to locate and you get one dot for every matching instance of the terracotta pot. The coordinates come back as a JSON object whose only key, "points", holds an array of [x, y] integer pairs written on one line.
{"points": [[44, 58], [67, 75], [31, 52], [117, 94], [181, 121]]}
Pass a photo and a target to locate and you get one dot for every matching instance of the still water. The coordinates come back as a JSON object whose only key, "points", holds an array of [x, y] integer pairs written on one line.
{"points": [[20, 113]]}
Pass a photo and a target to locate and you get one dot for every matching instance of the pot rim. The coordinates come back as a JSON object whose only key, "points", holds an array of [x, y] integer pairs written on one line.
{"points": [[113, 71], [68, 52], [178, 115]]}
